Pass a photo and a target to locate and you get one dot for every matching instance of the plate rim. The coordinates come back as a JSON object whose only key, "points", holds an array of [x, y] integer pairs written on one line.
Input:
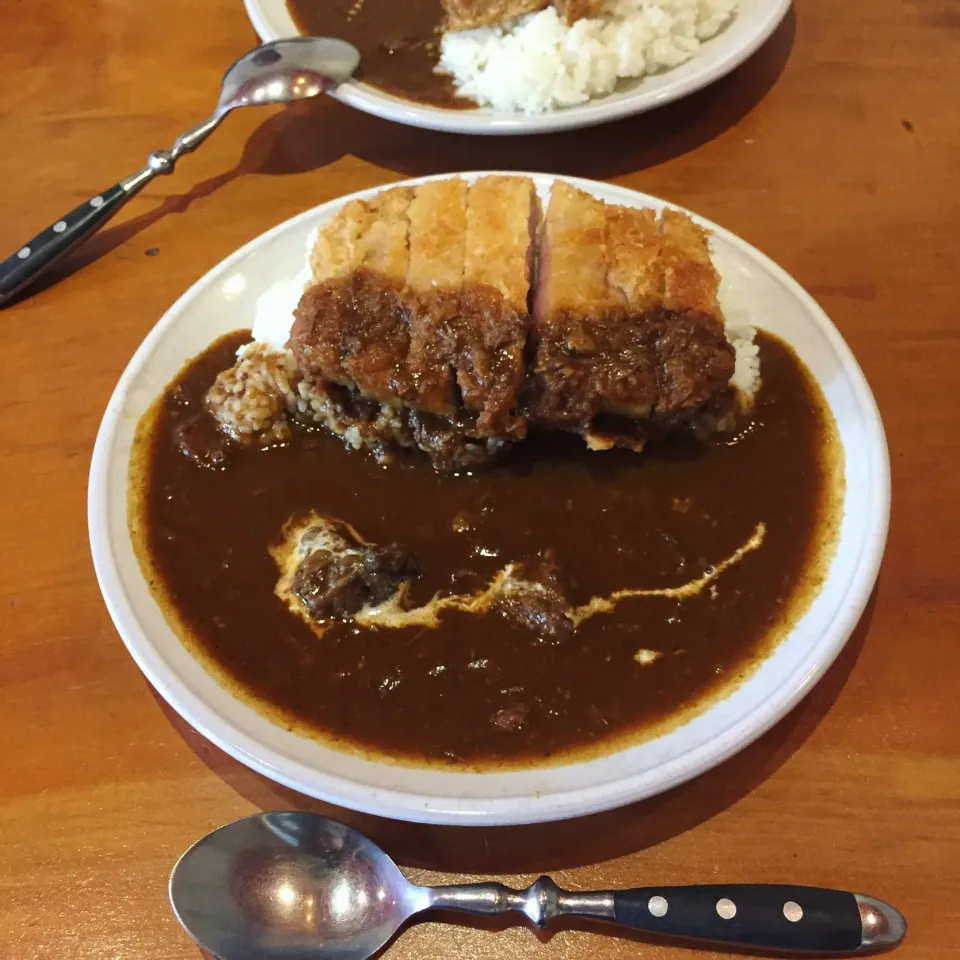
{"points": [[485, 122], [502, 810]]}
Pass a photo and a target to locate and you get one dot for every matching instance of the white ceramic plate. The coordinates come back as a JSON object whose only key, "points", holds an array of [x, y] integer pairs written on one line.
{"points": [[225, 299], [754, 23]]}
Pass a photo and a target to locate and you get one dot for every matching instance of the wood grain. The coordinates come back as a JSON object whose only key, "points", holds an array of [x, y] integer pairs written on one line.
{"points": [[835, 150]]}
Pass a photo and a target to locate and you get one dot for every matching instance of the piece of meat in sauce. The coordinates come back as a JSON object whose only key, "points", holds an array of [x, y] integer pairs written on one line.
{"points": [[534, 597], [200, 439], [511, 719], [384, 429], [450, 448], [339, 575]]}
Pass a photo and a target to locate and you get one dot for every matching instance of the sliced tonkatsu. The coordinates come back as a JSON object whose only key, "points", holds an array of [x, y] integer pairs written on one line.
{"points": [[627, 326], [502, 218], [418, 319]]}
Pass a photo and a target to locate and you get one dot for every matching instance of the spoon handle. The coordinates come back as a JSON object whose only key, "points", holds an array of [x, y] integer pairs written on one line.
{"points": [[35, 256], [46, 248], [775, 917]]}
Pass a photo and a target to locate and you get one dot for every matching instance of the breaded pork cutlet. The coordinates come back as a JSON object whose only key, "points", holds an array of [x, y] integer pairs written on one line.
{"points": [[494, 322], [416, 327], [693, 367], [418, 300], [438, 227], [626, 321], [592, 352], [350, 327]]}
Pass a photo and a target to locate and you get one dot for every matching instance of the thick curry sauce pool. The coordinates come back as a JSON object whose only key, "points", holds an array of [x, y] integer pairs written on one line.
{"points": [[398, 40], [614, 520]]}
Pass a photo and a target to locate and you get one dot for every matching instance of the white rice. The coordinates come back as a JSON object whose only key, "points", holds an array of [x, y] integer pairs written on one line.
{"points": [[538, 62], [250, 399], [273, 318], [746, 372]]}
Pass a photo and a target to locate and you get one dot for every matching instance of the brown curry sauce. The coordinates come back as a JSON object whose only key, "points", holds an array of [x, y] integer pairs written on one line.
{"points": [[399, 43], [613, 520]]}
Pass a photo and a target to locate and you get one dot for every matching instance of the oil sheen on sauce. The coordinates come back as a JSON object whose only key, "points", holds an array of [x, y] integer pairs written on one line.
{"points": [[399, 43], [614, 520]]}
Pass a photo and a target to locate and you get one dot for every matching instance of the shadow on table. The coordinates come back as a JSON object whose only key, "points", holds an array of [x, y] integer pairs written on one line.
{"points": [[311, 135], [572, 843]]}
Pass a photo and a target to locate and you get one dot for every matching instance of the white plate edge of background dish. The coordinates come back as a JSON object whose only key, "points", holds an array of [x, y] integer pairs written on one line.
{"points": [[547, 793], [753, 26]]}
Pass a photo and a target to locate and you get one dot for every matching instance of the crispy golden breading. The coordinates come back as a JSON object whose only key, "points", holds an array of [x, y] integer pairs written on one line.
{"points": [[438, 226], [384, 245], [690, 279], [350, 326], [371, 234], [502, 214], [336, 252], [633, 252], [469, 14], [573, 254], [589, 358]]}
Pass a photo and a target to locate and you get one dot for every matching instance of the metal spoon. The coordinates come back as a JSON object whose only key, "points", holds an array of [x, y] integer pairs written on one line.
{"points": [[278, 72], [299, 886]]}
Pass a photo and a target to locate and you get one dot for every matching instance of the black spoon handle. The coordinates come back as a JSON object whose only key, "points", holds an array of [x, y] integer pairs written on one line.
{"points": [[34, 257], [764, 917]]}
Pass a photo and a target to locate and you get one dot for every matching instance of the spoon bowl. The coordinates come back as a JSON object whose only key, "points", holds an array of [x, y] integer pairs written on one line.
{"points": [[290, 885], [288, 70]]}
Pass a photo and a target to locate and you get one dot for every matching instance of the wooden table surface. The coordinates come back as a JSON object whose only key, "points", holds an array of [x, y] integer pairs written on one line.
{"points": [[835, 150]]}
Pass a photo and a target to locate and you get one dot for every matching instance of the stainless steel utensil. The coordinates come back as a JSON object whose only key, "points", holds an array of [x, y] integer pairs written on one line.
{"points": [[278, 72], [299, 886]]}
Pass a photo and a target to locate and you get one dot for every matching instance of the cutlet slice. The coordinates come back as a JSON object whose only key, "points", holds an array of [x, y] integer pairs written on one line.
{"points": [[573, 256], [350, 326], [469, 14], [493, 322], [438, 226], [695, 361], [593, 355], [336, 255], [502, 218]]}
